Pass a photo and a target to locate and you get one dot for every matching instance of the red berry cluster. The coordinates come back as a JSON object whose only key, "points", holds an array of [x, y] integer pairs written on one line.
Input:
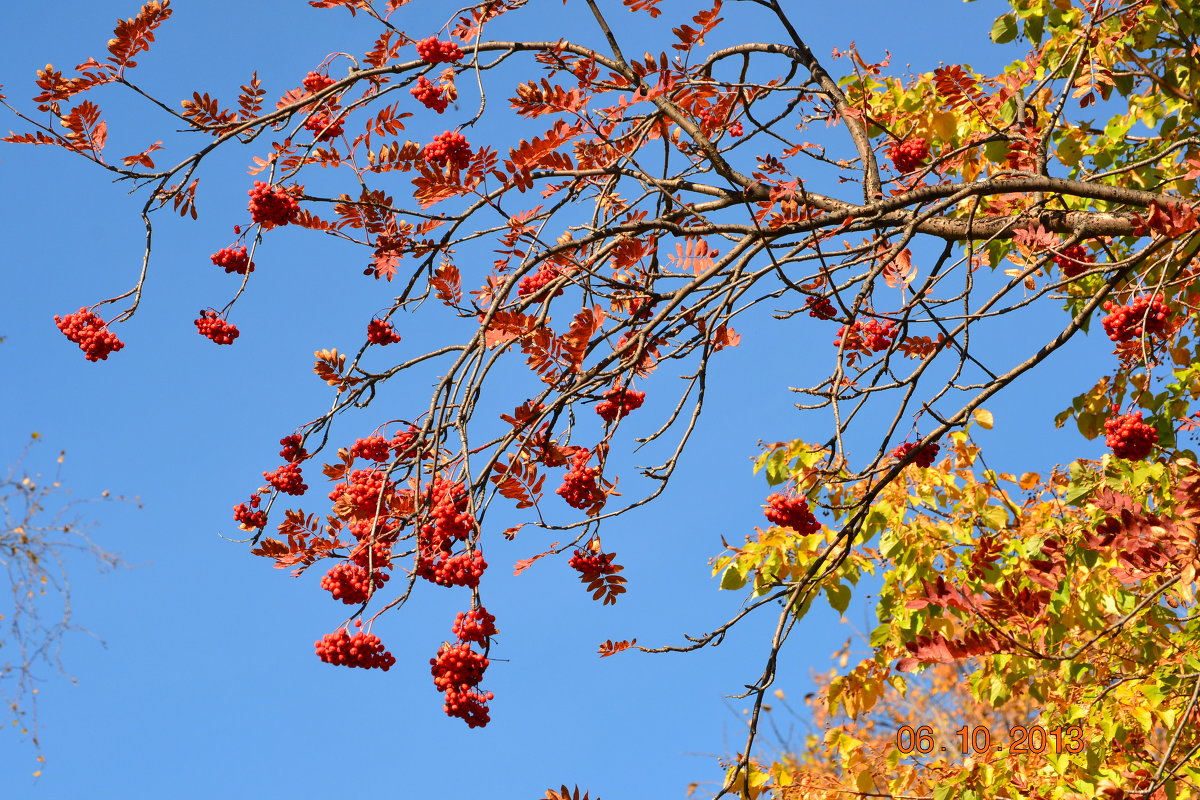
{"points": [[474, 626], [87, 330], [272, 205], [429, 95], [450, 148], [791, 512], [373, 448], [910, 154], [820, 307], [457, 667], [213, 327], [324, 126], [579, 487], [464, 569], [292, 450], [233, 259], [1129, 437], [924, 457], [247, 519], [348, 582], [362, 490], [1145, 315], [405, 444], [619, 401], [469, 706], [432, 51], [592, 564], [287, 479], [867, 335], [360, 650], [736, 129], [374, 555], [1074, 260], [315, 82], [380, 331], [532, 284]]}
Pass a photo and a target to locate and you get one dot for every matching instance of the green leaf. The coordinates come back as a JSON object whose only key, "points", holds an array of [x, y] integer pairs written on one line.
{"points": [[943, 791], [1035, 26], [732, 579], [839, 597], [1004, 29]]}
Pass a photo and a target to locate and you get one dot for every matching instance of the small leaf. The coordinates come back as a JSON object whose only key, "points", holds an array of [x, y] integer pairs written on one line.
{"points": [[1004, 30], [984, 418]]}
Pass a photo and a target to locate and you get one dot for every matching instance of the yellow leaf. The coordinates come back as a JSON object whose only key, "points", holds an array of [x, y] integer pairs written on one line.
{"points": [[864, 782], [984, 418], [1029, 480]]}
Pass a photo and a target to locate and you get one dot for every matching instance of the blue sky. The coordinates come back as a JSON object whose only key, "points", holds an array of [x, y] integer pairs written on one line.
{"points": [[201, 679]]}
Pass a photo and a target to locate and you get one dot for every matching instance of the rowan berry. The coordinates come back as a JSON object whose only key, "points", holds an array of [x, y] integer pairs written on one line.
{"points": [[457, 667], [292, 450], [324, 126], [272, 205], [791, 512], [579, 487], [736, 129], [1145, 315], [429, 95], [820, 307], [211, 326], [474, 626], [451, 148], [247, 519], [464, 569], [88, 330], [1074, 260], [373, 448], [349, 583], [867, 335], [469, 706], [362, 650], [593, 564], [362, 491], [619, 401], [910, 154], [1129, 437], [532, 284], [432, 51], [233, 259], [287, 479], [925, 455], [315, 82], [381, 332]]}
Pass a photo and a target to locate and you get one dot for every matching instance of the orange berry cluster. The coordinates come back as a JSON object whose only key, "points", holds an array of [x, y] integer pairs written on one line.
{"points": [[432, 51], [474, 626], [579, 487], [362, 650], [791, 512], [373, 448], [287, 479], [87, 330], [532, 284], [315, 82], [429, 95], [272, 205], [381, 332], [324, 126], [910, 154], [451, 148], [1144, 315], [233, 259], [619, 401], [1128, 437], [211, 326], [349, 582]]}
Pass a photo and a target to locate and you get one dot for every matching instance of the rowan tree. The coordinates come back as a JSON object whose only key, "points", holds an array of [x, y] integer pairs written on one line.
{"points": [[897, 225]]}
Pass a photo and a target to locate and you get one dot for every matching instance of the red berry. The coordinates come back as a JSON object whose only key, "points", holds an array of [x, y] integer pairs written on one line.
{"points": [[272, 205], [1129, 437], [381, 332], [88, 330], [287, 479], [250, 520], [579, 487], [362, 491], [469, 706], [432, 51], [924, 457], [736, 129], [592, 565], [292, 450], [360, 650], [324, 126], [451, 148], [373, 448], [348, 582], [532, 284], [618, 402], [429, 95], [213, 327], [233, 259], [1145, 315], [791, 512], [315, 82], [457, 667], [1074, 260], [820, 307], [910, 154], [474, 626]]}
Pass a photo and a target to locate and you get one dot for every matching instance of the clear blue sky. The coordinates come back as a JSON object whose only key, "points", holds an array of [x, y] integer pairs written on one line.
{"points": [[206, 683]]}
